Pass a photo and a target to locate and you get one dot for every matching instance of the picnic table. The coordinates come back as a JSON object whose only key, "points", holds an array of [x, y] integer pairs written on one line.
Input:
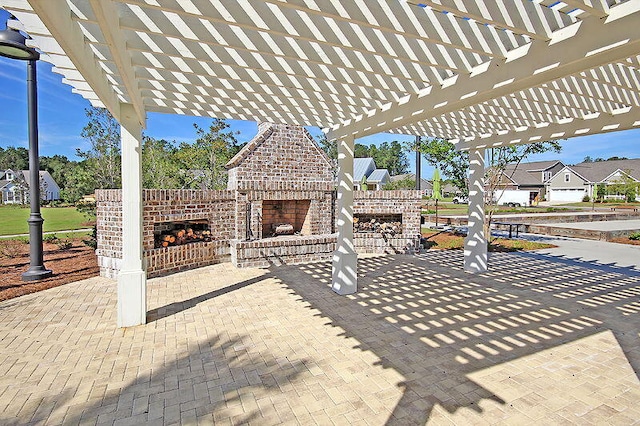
{"points": [[624, 207], [512, 227]]}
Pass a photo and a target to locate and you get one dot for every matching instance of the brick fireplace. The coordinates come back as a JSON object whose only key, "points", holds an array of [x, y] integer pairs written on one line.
{"points": [[284, 185], [279, 208]]}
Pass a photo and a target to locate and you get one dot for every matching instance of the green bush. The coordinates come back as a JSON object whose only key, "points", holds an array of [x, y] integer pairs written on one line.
{"points": [[586, 199], [87, 208], [50, 238], [635, 236], [64, 244], [92, 241]]}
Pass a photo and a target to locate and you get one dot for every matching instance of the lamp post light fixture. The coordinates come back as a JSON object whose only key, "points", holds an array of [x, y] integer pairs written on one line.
{"points": [[13, 45]]}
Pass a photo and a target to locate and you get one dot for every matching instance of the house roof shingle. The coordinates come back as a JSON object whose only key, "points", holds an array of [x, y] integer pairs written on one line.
{"points": [[597, 171], [362, 167], [377, 175]]}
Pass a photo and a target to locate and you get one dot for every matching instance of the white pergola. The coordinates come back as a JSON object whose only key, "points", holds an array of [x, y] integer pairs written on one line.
{"points": [[479, 73]]}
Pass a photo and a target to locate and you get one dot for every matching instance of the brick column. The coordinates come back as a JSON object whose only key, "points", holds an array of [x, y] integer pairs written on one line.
{"points": [[132, 280], [475, 245], [344, 278]]}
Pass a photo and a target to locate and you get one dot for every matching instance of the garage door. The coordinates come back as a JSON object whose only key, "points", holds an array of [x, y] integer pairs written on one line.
{"points": [[567, 195]]}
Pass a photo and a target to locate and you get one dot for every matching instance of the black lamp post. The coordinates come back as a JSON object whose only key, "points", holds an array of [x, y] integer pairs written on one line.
{"points": [[12, 45]]}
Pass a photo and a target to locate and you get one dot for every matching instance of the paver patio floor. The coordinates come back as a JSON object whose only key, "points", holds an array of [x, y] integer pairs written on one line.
{"points": [[537, 339]]}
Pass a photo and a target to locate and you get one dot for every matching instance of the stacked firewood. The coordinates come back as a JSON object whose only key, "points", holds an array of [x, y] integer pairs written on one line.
{"points": [[374, 225], [179, 237]]}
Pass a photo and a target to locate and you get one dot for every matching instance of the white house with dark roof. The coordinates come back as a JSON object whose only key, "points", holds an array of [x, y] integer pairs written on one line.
{"points": [[572, 183], [14, 186], [365, 169]]}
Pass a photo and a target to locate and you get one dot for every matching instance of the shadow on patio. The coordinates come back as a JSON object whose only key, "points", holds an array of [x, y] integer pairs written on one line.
{"points": [[536, 339], [444, 330]]}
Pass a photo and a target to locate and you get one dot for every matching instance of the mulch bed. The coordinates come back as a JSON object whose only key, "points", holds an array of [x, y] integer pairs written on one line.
{"points": [[624, 240], [80, 262], [68, 265]]}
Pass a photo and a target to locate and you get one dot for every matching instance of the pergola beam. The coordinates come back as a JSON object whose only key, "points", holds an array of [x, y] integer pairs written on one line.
{"points": [[56, 15], [583, 45], [626, 119], [598, 8], [107, 16]]}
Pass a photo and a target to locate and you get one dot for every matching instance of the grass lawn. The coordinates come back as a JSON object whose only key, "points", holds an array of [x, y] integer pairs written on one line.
{"points": [[13, 220], [603, 205], [450, 209]]}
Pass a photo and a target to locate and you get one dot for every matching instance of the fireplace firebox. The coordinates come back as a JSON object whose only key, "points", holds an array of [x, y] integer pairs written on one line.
{"points": [[285, 217]]}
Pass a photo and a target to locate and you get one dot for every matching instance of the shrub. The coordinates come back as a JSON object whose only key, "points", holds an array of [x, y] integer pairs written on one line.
{"points": [[635, 236], [10, 248], [586, 199], [50, 238], [88, 208], [64, 244], [92, 241]]}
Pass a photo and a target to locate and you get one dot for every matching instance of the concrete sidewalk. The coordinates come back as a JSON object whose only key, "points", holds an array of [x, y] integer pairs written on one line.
{"points": [[539, 338], [600, 253]]}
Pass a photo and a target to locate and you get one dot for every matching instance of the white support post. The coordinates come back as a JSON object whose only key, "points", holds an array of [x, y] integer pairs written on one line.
{"points": [[132, 280], [475, 245], [344, 278]]}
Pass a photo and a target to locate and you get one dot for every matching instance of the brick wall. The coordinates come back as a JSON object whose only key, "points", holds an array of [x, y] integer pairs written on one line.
{"points": [[226, 213], [159, 206], [405, 203]]}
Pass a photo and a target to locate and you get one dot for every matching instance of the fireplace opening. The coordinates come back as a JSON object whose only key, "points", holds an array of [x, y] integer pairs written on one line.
{"points": [[167, 234], [385, 224], [285, 217]]}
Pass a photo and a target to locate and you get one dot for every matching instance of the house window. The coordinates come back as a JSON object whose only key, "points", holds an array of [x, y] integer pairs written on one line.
{"points": [[567, 177]]}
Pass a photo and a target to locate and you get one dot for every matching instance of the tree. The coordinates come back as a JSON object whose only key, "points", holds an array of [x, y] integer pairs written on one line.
{"points": [[206, 157], [360, 151], [601, 191], [330, 147], [587, 159], [615, 158], [510, 156], [388, 155], [21, 191], [391, 156], [14, 158], [102, 158], [58, 166], [160, 168], [79, 182], [454, 164], [626, 186], [406, 183]]}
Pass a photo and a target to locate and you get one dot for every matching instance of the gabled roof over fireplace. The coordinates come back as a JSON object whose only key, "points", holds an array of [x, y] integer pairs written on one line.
{"points": [[281, 157]]}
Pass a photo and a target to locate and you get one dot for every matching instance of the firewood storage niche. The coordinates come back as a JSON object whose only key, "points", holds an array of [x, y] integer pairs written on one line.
{"points": [[167, 234]]}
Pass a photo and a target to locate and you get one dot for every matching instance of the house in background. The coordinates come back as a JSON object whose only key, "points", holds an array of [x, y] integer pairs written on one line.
{"points": [[364, 170], [573, 183], [525, 183], [15, 186]]}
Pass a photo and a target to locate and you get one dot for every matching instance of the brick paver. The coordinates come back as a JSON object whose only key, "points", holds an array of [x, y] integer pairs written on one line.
{"points": [[535, 340]]}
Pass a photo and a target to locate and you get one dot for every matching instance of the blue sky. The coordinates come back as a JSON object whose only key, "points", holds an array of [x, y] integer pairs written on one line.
{"points": [[62, 117]]}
